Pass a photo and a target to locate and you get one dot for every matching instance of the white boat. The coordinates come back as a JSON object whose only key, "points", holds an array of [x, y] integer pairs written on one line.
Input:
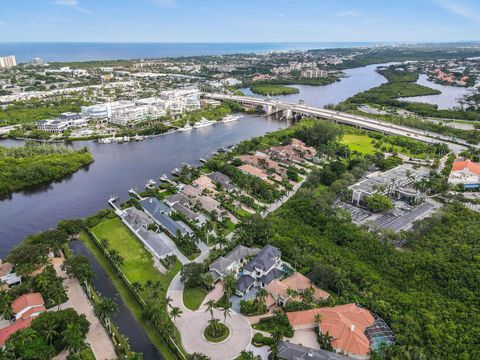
{"points": [[186, 128], [150, 184], [126, 138], [230, 118], [203, 123], [138, 138], [105, 141]]}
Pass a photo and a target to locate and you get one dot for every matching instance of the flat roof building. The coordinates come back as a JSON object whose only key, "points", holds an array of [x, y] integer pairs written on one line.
{"points": [[8, 62]]}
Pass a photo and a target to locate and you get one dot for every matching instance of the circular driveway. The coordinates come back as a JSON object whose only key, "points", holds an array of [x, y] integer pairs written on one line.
{"points": [[192, 323]]}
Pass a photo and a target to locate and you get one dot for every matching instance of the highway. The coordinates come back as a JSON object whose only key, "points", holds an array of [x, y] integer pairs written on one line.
{"points": [[345, 118]]}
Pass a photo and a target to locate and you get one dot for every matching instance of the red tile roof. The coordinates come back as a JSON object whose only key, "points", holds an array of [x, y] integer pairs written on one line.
{"points": [[20, 324], [345, 323], [466, 164], [24, 301]]}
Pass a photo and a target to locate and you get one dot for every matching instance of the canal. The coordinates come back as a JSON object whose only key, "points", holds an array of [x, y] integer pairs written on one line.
{"points": [[124, 320]]}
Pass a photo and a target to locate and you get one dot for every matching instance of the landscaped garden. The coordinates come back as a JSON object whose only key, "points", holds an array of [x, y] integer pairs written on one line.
{"points": [[217, 332]]}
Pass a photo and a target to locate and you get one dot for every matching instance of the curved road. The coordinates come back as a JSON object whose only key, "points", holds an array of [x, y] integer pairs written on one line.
{"points": [[192, 323]]}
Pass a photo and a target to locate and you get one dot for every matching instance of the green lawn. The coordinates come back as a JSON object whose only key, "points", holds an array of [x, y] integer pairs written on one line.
{"points": [[138, 262], [361, 143], [128, 297], [193, 297]]}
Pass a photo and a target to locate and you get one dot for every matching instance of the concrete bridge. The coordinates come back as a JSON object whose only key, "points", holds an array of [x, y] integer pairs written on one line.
{"points": [[290, 110]]}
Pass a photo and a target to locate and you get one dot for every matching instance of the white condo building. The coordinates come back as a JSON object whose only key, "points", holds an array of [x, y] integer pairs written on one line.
{"points": [[7, 62]]}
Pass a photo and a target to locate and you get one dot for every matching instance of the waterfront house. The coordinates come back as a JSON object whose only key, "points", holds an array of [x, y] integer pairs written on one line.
{"points": [[204, 182], [160, 212], [177, 199], [223, 180], [346, 324], [232, 262], [7, 276], [260, 173], [279, 289], [136, 218], [191, 192], [264, 267], [25, 308]]}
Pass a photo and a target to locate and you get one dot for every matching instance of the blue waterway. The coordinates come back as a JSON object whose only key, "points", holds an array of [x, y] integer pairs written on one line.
{"points": [[84, 51]]}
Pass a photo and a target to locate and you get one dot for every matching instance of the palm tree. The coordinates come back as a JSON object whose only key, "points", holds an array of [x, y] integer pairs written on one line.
{"points": [[49, 331], [226, 312], [292, 293], [106, 308], [229, 285], [210, 306], [277, 336], [73, 337], [222, 241], [116, 258], [214, 326], [262, 295], [208, 228], [104, 244], [137, 287], [175, 313]]}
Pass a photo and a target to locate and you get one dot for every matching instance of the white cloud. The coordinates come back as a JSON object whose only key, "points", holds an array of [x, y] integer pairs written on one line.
{"points": [[72, 3], [165, 3], [348, 13], [460, 9]]}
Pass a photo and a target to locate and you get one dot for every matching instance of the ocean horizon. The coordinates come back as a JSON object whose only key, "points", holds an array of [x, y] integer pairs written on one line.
{"points": [[89, 51]]}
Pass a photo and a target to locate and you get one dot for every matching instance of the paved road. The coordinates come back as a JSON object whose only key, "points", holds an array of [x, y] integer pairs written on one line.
{"points": [[97, 336], [192, 323]]}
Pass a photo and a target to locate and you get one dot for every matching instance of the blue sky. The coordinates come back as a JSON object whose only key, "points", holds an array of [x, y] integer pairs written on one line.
{"points": [[239, 20]]}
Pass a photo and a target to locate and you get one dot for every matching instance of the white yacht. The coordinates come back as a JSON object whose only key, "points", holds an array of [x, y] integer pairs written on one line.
{"points": [[150, 184], [230, 118], [186, 127], [203, 123]]}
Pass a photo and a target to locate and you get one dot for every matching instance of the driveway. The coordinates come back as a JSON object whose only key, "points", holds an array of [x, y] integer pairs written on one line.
{"points": [[97, 336], [192, 323], [305, 337]]}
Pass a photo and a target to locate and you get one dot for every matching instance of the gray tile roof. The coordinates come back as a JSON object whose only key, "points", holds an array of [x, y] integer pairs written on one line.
{"points": [[290, 351], [222, 179], [240, 252], [244, 282], [271, 275], [153, 206], [189, 214], [264, 259], [158, 211], [153, 239], [178, 199], [133, 216]]}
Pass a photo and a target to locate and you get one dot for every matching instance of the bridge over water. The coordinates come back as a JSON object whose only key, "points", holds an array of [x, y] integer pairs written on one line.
{"points": [[290, 110]]}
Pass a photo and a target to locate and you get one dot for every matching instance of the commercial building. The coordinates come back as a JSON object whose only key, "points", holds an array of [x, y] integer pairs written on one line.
{"points": [[63, 122], [397, 182], [466, 173], [8, 62]]}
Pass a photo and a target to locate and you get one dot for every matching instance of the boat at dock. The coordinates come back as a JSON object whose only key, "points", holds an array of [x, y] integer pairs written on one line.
{"points": [[203, 123], [150, 184], [230, 118], [138, 138], [175, 171], [186, 128], [105, 140]]}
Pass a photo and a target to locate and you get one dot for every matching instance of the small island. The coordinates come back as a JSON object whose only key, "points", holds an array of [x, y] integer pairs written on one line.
{"points": [[36, 164], [273, 89]]}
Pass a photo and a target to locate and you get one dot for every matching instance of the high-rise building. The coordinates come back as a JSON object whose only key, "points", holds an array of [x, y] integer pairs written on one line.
{"points": [[7, 62]]}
